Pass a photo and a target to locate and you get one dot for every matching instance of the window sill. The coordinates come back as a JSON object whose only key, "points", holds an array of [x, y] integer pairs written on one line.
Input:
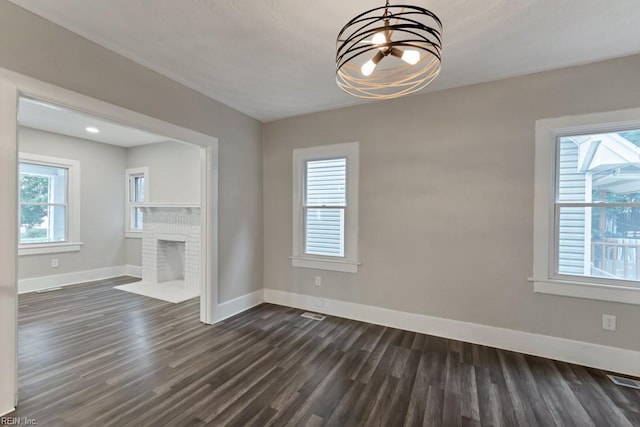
{"points": [[325, 264], [48, 248], [621, 294], [133, 234]]}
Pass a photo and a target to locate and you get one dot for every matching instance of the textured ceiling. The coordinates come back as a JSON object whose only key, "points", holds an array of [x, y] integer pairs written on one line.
{"points": [[275, 58]]}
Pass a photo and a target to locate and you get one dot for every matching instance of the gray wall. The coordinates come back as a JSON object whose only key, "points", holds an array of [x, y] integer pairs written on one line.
{"points": [[45, 51], [446, 201], [174, 177], [101, 203], [174, 171]]}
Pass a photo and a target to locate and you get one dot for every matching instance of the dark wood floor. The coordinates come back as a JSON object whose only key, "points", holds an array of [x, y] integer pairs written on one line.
{"points": [[91, 355]]}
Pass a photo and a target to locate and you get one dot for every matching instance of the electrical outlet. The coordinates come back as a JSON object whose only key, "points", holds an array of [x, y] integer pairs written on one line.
{"points": [[318, 281], [608, 322], [54, 263]]}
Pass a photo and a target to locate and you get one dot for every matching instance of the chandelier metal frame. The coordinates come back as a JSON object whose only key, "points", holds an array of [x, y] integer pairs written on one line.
{"points": [[405, 27]]}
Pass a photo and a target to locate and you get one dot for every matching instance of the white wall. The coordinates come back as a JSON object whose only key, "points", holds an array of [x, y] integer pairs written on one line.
{"points": [[101, 203], [446, 201], [40, 49], [174, 177]]}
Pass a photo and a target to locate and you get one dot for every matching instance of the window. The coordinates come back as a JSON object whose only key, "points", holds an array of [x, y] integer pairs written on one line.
{"points": [[325, 201], [325, 207], [587, 207], [49, 219], [43, 203], [597, 205], [137, 190]]}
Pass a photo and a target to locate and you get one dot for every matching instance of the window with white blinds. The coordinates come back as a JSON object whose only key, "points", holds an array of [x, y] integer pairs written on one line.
{"points": [[325, 207]]}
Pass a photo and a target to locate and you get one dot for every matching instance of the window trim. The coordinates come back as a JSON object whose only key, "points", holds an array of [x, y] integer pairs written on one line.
{"points": [[545, 280], [72, 243], [349, 263], [128, 173]]}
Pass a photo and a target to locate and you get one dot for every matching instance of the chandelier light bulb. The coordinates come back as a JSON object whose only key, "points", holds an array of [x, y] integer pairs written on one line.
{"points": [[411, 57], [368, 67], [379, 38]]}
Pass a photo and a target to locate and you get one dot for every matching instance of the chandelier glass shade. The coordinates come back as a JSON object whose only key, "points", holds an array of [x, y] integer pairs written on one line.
{"points": [[388, 52]]}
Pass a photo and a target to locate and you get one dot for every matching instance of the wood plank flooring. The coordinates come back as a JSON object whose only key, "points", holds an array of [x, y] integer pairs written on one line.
{"points": [[91, 355]]}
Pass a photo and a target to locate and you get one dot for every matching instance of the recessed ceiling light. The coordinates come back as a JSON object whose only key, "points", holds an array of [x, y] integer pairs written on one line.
{"points": [[91, 129]]}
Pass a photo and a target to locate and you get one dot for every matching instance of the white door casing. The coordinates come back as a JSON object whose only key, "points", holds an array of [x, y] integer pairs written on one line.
{"points": [[14, 85], [8, 245]]}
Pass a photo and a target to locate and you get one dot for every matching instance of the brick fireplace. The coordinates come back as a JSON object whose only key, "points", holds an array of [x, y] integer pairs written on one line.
{"points": [[171, 245]]}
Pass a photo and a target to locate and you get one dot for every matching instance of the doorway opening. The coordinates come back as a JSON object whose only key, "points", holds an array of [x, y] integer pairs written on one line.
{"points": [[98, 199], [13, 87]]}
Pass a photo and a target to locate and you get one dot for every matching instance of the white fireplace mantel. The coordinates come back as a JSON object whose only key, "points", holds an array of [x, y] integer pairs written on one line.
{"points": [[154, 207]]}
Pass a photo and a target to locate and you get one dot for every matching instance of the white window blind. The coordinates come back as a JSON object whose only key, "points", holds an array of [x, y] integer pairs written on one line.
{"points": [[325, 202]]}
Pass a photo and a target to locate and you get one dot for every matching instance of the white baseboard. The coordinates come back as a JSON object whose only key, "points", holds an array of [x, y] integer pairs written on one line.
{"points": [[6, 411], [66, 279], [238, 305], [133, 270], [582, 353]]}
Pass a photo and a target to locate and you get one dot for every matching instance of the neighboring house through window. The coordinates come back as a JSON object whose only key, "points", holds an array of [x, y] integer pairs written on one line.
{"points": [[325, 207], [137, 192], [49, 203], [587, 221]]}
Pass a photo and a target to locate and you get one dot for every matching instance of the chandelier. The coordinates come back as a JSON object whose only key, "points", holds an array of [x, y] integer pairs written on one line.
{"points": [[389, 52]]}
